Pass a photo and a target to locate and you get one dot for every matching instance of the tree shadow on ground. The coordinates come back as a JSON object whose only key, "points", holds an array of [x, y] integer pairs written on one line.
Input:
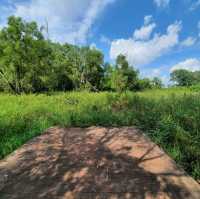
{"points": [[75, 164]]}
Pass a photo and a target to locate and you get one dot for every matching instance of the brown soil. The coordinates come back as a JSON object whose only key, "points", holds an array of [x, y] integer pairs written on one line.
{"points": [[93, 163]]}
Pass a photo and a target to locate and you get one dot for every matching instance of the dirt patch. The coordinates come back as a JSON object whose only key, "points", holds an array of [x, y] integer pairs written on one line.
{"points": [[110, 163]]}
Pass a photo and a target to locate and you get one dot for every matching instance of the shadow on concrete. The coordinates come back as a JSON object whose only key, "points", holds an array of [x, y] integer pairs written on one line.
{"points": [[77, 164]]}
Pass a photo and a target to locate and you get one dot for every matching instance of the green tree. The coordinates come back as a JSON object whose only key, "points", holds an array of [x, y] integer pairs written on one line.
{"points": [[108, 72], [196, 76], [24, 56], [61, 75], [182, 77], [93, 70], [86, 69], [143, 84], [118, 81], [124, 76], [121, 62], [30, 63], [157, 82]]}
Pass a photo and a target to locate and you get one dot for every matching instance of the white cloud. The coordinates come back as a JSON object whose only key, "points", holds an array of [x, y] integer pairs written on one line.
{"points": [[148, 19], [95, 8], [188, 42], [143, 52], [191, 64], [145, 31], [162, 3], [105, 40], [69, 21], [195, 5]]}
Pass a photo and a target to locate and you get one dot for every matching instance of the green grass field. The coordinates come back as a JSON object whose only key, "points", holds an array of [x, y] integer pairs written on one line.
{"points": [[171, 117]]}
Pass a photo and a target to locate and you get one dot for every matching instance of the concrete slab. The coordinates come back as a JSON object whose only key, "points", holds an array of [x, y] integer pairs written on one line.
{"points": [[94, 162]]}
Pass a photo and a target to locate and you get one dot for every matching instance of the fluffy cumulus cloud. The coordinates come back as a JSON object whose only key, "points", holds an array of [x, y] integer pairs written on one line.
{"points": [[140, 52], [191, 64], [190, 41], [162, 3], [148, 19], [69, 21], [145, 31]]}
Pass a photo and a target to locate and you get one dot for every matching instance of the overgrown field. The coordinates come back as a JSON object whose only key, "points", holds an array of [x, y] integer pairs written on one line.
{"points": [[171, 117]]}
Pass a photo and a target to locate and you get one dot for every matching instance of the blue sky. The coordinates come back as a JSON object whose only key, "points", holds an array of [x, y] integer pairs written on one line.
{"points": [[157, 36]]}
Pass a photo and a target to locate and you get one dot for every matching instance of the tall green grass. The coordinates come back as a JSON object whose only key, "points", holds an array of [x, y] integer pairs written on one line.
{"points": [[171, 117]]}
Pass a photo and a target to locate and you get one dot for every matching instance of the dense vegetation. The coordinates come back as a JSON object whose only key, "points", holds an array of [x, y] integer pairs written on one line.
{"points": [[33, 65], [30, 64], [184, 77], [169, 117]]}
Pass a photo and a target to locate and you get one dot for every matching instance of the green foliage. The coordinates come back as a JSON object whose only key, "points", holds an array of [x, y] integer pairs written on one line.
{"points": [[143, 84], [169, 116], [24, 57], [195, 87], [122, 77], [157, 82], [30, 64], [184, 77]]}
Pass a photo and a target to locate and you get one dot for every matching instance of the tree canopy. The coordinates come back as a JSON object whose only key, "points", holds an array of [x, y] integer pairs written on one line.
{"points": [[29, 63], [25, 57], [182, 77]]}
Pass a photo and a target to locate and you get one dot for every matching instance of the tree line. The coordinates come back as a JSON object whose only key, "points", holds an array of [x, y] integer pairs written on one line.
{"points": [[182, 77], [29, 63]]}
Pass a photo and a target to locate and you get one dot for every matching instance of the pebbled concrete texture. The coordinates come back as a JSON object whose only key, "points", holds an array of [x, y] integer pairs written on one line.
{"points": [[95, 162]]}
